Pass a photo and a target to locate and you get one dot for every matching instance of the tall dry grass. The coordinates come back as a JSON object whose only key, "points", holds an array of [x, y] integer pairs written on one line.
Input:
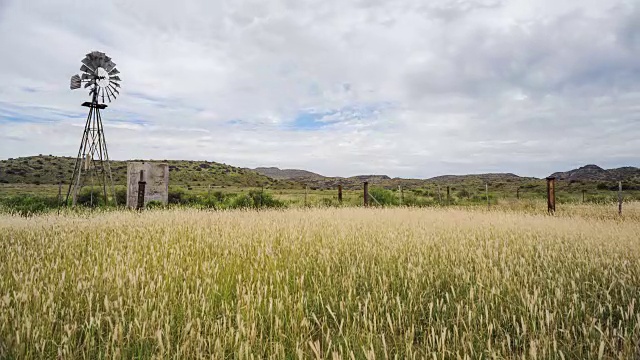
{"points": [[320, 283]]}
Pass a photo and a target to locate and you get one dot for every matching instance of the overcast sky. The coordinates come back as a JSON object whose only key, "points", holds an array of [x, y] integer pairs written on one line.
{"points": [[408, 88]]}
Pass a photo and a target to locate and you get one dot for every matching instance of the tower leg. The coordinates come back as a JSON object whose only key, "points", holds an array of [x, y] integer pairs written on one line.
{"points": [[92, 151]]}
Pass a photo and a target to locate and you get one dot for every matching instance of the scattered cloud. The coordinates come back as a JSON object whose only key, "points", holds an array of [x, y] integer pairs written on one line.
{"points": [[405, 88]]}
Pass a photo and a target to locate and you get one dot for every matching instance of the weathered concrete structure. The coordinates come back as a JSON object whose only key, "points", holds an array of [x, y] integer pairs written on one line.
{"points": [[156, 176]]}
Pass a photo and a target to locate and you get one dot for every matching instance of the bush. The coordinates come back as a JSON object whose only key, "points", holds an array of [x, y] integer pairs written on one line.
{"points": [[241, 202], [27, 205], [256, 199], [384, 197], [90, 198], [121, 196], [178, 197]]}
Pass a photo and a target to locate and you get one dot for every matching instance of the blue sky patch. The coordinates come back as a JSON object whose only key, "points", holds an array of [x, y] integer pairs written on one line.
{"points": [[308, 120]]}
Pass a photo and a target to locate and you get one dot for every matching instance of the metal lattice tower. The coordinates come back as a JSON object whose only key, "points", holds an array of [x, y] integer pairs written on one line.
{"points": [[92, 167]]}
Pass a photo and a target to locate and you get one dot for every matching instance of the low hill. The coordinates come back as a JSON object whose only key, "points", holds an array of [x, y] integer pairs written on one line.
{"points": [[596, 173], [286, 174], [45, 169], [477, 177]]}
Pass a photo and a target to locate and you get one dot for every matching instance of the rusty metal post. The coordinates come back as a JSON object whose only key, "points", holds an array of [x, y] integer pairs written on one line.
{"points": [[620, 198], [551, 195], [366, 193], [340, 194], [141, 185]]}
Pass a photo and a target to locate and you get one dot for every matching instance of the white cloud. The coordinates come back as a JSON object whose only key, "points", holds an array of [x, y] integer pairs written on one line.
{"points": [[408, 88]]}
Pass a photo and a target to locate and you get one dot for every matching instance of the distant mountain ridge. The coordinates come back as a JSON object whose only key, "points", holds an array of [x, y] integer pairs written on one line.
{"points": [[596, 173], [286, 174]]}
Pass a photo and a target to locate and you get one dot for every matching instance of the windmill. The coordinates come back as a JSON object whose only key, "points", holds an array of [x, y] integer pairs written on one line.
{"points": [[100, 76]]}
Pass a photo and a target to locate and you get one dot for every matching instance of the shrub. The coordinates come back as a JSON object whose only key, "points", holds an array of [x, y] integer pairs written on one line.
{"points": [[121, 196], [384, 197], [27, 205], [241, 201], [91, 197]]}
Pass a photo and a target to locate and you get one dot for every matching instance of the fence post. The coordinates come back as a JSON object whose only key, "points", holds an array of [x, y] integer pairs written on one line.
{"points": [[620, 198], [551, 195], [141, 185], [518, 193], [340, 194], [306, 191], [448, 195], [366, 193]]}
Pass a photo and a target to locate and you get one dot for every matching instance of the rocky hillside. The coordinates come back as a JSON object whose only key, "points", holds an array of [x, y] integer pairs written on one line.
{"points": [[284, 174], [47, 169], [596, 173]]}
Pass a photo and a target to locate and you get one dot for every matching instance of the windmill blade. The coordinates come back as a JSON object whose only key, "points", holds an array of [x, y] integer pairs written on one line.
{"points": [[89, 83], [87, 64], [86, 69], [105, 91], [76, 83], [113, 89], [115, 78], [87, 77], [114, 83], [109, 65], [114, 72]]}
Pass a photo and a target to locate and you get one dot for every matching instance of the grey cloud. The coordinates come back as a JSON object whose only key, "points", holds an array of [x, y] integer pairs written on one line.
{"points": [[523, 86]]}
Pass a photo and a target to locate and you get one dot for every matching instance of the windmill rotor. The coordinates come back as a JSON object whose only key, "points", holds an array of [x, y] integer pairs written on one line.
{"points": [[100, 75]]}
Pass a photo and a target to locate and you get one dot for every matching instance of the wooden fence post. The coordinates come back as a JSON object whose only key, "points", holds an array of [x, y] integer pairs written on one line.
{"points": [[340, 194], [448, 195], [620, 198], [306, 191], [551, 195], [141, 185], [518, 193], [366, 193]]}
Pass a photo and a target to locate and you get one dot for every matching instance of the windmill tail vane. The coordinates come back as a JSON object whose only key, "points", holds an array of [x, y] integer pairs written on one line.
{"points": [[92, 166]]}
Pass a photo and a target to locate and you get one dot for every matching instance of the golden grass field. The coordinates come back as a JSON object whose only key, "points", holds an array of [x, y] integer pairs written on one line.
{"points": [[322, 283]]}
